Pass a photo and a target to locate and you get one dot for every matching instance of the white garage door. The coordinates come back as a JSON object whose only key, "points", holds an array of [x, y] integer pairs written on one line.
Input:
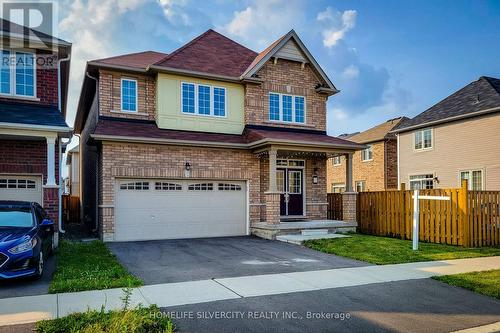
{"points": [[166, 209], [22, 188]]}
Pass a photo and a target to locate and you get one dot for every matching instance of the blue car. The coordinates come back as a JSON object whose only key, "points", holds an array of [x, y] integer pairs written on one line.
{"points": [[26, 239]]}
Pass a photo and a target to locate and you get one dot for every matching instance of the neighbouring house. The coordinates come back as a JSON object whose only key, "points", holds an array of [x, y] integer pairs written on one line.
{"points": [[457, 138], [374, 167], [73, 165], [33, 92], [210, 140]]}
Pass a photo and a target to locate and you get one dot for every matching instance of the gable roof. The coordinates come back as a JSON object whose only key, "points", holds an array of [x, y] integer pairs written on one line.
{"points": [[376, 133], [270, 51], [139, 60], [11, 28], [476, 98], [210, 53]]}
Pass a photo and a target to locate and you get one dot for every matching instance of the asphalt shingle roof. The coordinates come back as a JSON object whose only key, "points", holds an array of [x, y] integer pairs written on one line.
{"points": [[477, 96], [32, 114], [137, 60], [376, 133]]}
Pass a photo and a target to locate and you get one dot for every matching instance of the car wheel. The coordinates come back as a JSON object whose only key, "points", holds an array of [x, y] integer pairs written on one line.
{"points": [[40, 266]]}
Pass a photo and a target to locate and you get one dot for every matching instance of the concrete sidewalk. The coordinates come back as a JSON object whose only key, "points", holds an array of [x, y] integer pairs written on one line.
{"points": [[27, 309]]}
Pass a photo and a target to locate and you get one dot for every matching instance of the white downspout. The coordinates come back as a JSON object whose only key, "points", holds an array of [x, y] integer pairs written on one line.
{"points": [[59, 105]]}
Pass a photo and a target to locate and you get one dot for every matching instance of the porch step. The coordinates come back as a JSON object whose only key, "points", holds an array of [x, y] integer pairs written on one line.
{"points": [[299, 239], [313, 232]]}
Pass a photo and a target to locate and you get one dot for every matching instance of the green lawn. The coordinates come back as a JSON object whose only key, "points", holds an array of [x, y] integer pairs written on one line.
{"points": [[486, 283], [88, 266], [384, 250]]}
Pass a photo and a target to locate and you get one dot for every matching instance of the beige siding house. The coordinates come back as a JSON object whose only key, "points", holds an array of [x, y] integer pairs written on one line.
{"points": [[458, 138]]}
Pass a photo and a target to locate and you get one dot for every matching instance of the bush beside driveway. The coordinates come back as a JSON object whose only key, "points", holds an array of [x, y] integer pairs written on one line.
{"points": [[383, 250]]}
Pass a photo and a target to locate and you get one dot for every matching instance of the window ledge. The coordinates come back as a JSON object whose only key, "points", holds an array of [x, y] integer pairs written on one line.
{"points": [[24, 98], [367, 160], [130, 112], [288, 123]]}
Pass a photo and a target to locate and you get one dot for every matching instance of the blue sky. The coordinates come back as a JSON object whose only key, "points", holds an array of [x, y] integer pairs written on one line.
{"points": [[388, 58]]}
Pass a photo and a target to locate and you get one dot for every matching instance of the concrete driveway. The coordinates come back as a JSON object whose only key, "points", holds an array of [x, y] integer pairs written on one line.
{"points": [[199, 259], [29, 286]]}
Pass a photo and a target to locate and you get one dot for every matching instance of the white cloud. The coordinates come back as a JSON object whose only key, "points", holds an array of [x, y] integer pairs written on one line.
{"points": [[350, 72], [339, 114], [259, 24], [337, 24]]}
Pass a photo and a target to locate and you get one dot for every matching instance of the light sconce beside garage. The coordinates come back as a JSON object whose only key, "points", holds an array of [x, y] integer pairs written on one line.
{"points": [[315, 176], [187, 169]]}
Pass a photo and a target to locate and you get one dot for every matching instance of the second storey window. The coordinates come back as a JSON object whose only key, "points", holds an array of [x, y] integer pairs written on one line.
{"points": [[367, 154], [129, 95], [423, 139], [286, 108], [17, 74], [203, 99]]}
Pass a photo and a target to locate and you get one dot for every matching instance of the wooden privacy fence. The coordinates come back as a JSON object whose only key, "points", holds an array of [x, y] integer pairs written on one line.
{"points": [[71, 209], [334, 206], [469, 218]]}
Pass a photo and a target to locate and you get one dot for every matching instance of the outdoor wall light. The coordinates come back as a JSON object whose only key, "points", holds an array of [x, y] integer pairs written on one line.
{"points": [[187, 166], [315, 176], [436, 179]]}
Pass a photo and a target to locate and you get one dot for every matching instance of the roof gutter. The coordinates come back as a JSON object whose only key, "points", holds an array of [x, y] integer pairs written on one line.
{"points": [[125, 68], [447, 120], [37, 127]]}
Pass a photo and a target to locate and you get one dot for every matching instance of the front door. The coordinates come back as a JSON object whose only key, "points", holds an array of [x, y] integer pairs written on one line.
{"points": [[290, 184]]}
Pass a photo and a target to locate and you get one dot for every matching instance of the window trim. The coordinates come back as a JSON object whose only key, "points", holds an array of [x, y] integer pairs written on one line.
{"points": [[469, 183], [363, 187], [423, 140], [196, 101], [12, 82], [420, 179], [136, 95], [280, 111], [338, 185], [370, 148]]}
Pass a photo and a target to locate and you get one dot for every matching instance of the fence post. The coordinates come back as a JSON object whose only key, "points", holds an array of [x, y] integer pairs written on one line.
{"points": [[402, 211], [463, 214]]}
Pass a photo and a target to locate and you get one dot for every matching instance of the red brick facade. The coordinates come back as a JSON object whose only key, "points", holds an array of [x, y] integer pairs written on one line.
{"points": [[29, 157]]}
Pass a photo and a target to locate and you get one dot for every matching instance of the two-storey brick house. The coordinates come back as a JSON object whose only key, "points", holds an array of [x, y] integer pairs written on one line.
{"points": [[375, 168], [213, 139], [33, 90]]}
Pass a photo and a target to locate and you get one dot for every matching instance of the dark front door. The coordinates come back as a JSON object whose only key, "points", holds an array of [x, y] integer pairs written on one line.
{"points": [[290, 184]]}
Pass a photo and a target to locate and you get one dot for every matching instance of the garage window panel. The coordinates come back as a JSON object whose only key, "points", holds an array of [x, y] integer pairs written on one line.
{"points": [[17, 183], [135, 186], [168, 186], [201, 187], [229, 187]]}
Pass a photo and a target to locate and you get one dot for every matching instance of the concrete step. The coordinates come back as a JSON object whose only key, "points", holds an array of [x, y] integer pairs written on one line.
{"points": [[299, 239], [307, 232]]}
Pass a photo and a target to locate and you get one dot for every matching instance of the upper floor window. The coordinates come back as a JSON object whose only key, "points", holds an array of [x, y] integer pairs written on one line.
{"points": [[367, 154], [17, 74], [129, 95], [336, 160], [474, 179], [286, 108], [423, 139], [203, 99]]}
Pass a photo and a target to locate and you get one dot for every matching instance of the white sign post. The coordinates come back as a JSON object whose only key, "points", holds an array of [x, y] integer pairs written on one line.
{"points": [[416, 213]]}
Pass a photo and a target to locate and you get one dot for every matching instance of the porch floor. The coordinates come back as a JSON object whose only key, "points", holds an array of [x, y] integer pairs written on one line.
{"points": [[311, 224], [299, 239]]}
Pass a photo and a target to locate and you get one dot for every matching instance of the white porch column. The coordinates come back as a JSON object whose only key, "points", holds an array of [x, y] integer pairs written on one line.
{"points": [[51, 162], [272, 171], [348, 173]]}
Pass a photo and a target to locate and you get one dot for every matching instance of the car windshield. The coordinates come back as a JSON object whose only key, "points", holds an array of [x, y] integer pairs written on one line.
{"points": [[15, 217]]}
